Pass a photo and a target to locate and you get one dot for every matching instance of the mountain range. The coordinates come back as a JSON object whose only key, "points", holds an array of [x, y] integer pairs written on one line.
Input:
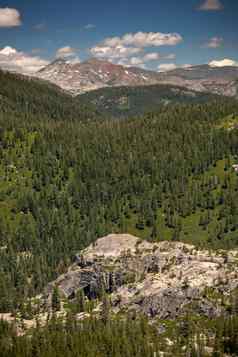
{"points": [[78, 78], [40, 98]]}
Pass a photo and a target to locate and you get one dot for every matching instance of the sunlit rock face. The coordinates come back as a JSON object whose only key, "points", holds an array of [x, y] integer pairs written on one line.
{"points": [[157, 279]]}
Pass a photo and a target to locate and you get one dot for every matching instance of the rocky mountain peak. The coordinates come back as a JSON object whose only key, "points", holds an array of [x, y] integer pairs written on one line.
{"points": [[56, 63], [59, 61], [93, 74]]}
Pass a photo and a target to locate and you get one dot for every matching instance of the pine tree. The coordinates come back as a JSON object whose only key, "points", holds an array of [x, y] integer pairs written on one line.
{"points": [[105, 310], [80, 301], [55, 302]]}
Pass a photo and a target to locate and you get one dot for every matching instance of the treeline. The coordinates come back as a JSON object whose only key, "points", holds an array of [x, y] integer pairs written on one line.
{"points": [[124, 337]]}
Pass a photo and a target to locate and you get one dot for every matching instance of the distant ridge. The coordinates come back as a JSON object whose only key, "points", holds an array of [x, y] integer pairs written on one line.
{"points": [[92, 74], [129, 101]]}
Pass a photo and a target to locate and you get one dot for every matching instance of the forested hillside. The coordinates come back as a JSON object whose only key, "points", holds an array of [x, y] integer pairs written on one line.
{"points": [[24, 95], [65, 183], [128, 101], [191, 337], [166, 175]]}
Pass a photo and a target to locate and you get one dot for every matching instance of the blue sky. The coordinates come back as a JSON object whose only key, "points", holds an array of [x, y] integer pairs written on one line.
{"points": [[206, 30]]}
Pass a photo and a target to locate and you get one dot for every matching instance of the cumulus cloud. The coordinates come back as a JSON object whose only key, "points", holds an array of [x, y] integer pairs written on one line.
{"points": [[214, 42], [66, 51], [40, 27], [113, 52], [8, 51], [136, 61], [9, 17], [186, 66], [130, 62], [89, 27], [211, 5], [144, 39], [149, 57], [125, 49], [153, 56], [165, 67], [13, 60], [142, 60], [170, 56], [223, 63]]}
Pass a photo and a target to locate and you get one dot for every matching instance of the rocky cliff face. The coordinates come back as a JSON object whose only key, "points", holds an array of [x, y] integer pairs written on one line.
{"points": [[156, 279]]}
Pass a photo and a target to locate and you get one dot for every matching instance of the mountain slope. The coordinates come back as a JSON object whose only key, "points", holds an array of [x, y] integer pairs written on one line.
{"points": [[218, 80], [63, 184], [34, 97], [129, 101], [93, 74], [167, 176]]}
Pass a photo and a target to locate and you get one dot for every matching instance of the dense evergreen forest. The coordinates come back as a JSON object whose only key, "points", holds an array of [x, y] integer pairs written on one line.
{"points": [[67, 178], [123, 338], [24, 96]]}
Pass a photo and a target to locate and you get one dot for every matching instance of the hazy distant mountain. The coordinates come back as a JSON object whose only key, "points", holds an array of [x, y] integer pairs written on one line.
{"points": [[93, 74], [204, 78]]}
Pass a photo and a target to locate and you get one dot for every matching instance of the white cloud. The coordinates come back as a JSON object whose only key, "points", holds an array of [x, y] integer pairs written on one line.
{"points": [[148, 57], [153, 56], [118, 51], [164, 67], [139, 61], [170, 56], [144, 39], [66, 51], [186, 66], [74, 60], [122, 62], [13, 60], [89, 27], [213, 5], [214, 42], [136, 61], [128, 56], [125, 50], [40, 27], [8, 51], [223, 63], [9, 17], [131, 62]]}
